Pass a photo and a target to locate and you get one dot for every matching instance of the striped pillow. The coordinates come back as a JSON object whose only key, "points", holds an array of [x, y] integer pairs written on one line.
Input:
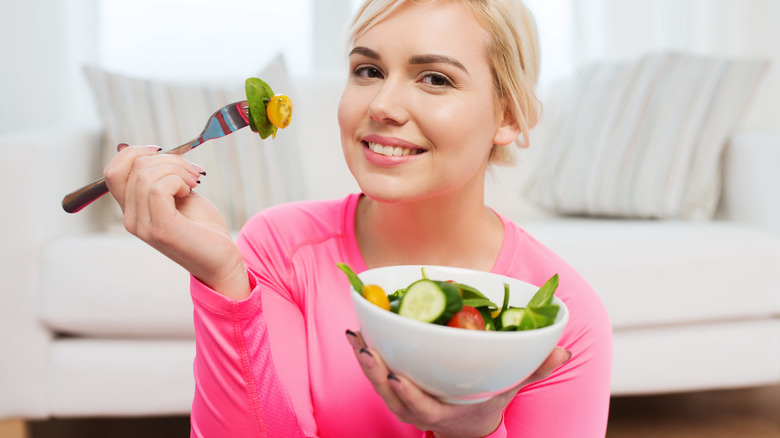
{"points": [[245, 173], [642, 139]]}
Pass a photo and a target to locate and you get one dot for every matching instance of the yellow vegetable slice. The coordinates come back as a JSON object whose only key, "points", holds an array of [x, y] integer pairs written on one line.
{"points": [[279, 111], [376, 295]]}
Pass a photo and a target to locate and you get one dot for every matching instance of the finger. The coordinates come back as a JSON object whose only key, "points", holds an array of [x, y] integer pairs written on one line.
{"points": [[420, 408], [165, 220], [145, 170], [355, 340], [124, 191], [377, 373], [155, 190], [118, 169], [555, 359]]}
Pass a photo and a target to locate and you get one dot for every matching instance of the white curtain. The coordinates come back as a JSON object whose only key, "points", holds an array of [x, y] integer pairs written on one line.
{"points": [[43, 44], [614, 30]]}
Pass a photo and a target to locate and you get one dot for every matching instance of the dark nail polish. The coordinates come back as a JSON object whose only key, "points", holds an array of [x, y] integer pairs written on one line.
{"points": [[121, 146], [568, 358], [351, 333], [198, 181], [392, 376], [364, 350], [203, 173]]}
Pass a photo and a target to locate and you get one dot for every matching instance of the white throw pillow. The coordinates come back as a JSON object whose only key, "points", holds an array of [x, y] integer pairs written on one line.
{"points": [[641, 139], [244, 173]]}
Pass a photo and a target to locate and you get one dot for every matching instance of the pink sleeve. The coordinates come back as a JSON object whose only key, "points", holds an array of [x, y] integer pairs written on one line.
{"points": [[237, 389], [574, 400]]}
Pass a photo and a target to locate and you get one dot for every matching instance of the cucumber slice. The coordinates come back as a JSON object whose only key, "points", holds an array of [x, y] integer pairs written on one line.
{"points": [[511, 318], [430, 301]]}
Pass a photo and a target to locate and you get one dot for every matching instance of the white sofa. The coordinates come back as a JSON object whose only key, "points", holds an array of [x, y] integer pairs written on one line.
{"points": [[694, 305]]}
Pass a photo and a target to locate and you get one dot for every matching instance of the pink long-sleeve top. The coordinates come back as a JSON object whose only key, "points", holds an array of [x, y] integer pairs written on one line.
{"points": [[278, 364]]}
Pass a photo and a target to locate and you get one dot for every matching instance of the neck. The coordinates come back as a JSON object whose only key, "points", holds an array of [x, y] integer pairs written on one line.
{"points": [[449, 230]]}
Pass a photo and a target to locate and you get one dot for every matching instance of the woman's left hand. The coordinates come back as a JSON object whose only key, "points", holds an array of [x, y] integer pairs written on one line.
{"points": [[411, 405]]}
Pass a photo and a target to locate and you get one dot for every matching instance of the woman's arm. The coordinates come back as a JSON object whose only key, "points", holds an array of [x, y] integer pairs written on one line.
{"points": [[159, 207], [238, 391]]}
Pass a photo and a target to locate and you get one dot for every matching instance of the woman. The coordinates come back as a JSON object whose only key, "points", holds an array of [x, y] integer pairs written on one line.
{"points": [[437, 90]]}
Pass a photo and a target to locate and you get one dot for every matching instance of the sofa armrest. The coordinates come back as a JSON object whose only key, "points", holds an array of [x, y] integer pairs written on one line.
{"points": [[60, 161], [751, 180], [36, 172]]}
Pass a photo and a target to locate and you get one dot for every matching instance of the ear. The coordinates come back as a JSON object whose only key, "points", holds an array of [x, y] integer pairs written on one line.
{"points": [[507, 129]]}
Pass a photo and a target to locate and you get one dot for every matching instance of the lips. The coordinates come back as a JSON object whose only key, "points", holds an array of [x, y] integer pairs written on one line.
{"points": [[392, 151]]}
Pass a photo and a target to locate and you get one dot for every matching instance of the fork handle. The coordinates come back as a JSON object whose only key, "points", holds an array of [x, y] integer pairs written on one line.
{"points": [[88, 194], [84, 196]]}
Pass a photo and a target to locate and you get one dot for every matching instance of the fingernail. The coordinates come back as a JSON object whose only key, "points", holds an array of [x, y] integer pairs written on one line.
{"points": [[567, 359], [154, 148], [353, 339], [121, 146], [392, 376], [366, 358], [198, 168]]}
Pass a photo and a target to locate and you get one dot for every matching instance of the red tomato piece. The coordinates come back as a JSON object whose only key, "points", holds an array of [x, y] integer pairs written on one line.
{"points": [[468, 318]]}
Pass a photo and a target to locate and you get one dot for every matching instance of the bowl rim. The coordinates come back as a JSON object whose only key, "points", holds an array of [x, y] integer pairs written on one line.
{"points": [[560, 321]]}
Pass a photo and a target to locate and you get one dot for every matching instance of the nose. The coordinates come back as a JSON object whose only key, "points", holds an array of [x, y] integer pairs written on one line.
{"points": [[389, 104]]}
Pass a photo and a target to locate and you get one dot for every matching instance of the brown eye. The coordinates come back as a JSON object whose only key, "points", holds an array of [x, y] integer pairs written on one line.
{"points": [[367, 72], [437, 80]]}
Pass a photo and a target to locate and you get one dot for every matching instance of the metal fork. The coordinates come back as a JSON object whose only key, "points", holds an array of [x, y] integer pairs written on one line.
{"points": [[225, 121]]}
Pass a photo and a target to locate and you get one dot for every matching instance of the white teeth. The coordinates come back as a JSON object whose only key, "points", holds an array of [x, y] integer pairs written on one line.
{"points": [[391, 151]]}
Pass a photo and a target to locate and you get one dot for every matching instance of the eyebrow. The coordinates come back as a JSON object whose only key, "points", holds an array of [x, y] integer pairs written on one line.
{"points": [[437, 59], [365, 51], [415, 60]]}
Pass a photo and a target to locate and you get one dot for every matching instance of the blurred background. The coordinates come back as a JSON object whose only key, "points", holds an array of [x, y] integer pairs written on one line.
{"points": [[44, 43]]}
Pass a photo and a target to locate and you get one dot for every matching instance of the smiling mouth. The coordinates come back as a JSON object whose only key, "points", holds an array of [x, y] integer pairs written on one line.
{"points": [[392, 151]]}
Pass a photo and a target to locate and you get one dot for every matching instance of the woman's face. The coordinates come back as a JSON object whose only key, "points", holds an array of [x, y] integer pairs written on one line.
{"points": [[418, 116]]}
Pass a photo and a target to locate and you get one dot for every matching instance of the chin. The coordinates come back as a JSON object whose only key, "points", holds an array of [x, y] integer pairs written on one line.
{"points": [[388, 192], [403, 192]]}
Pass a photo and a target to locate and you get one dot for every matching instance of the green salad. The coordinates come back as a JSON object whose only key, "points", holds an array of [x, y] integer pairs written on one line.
{"points": [[267, 111], [460, 305]]}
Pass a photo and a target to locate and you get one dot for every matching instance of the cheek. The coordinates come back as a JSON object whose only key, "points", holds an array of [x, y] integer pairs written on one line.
{"points": [[349, 118], [351, 112], [469, 123], [344, 116]]}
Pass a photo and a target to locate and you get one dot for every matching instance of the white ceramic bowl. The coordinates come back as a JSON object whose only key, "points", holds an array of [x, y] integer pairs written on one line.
{"points": [[455, 365]]}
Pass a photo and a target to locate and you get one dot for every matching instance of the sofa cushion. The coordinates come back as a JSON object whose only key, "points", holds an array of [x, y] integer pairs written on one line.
{"points": [[106, 285], [653, 273], [120, 377], [641, 139]]}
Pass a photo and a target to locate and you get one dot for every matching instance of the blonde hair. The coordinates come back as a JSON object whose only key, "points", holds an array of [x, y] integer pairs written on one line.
{"points": [[513, 52]]}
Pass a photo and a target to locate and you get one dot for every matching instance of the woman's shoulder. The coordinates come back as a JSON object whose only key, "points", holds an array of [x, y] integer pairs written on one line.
{"points": [[528, 258], [294, 213], [290, 223]]}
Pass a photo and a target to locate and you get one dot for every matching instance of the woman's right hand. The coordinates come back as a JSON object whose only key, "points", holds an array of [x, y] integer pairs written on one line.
{"points": [[155, 193]]}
